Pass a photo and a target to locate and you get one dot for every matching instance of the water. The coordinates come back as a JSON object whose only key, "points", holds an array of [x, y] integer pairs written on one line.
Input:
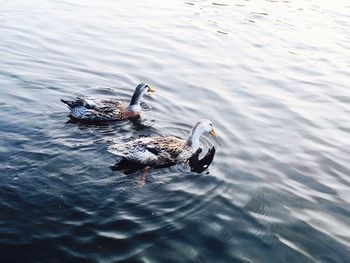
{"points": [[273, 76]]}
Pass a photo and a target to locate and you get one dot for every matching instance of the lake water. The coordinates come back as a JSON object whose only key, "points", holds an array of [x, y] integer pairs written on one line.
{"points": [[273, 76]]}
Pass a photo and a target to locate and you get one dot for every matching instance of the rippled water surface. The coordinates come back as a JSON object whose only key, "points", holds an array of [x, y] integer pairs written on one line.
{"points": [[273, 76]]}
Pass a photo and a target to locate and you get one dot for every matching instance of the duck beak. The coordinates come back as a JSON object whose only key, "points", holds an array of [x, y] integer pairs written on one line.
{"points": [[212, 132], [150, 89]]}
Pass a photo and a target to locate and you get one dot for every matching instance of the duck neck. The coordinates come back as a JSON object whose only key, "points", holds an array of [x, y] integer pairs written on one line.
{"points": [[134, 109], [193, 139], [134, 105]]}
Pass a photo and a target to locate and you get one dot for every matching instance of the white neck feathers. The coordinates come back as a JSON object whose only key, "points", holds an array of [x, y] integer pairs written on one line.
{"points": [[193, 138], [136, 108]]}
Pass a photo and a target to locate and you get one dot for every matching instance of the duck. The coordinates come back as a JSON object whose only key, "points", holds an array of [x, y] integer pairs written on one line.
{"points": [[159, 150], [107, 109]]}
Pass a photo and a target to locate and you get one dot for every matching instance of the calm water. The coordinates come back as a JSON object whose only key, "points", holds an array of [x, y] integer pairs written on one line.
{"points": [[273, 76]]}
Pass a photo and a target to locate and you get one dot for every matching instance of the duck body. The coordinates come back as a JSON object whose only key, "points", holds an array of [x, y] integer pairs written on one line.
{"points": [[154, 150], [162, 150], [99, 109], [107, 109]]}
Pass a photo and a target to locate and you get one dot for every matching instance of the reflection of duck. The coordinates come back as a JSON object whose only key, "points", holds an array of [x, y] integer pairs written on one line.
{"points": [[199, 165], [107, 109], [163, 150]]}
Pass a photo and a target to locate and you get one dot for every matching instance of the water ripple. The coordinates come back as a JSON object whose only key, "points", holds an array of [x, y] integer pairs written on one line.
{"points": [[273, 83]]}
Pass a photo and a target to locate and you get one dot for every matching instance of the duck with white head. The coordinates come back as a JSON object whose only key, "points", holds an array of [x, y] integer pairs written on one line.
{"points": [[163, 150]]}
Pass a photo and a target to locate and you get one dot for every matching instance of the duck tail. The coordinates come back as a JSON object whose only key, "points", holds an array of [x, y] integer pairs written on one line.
{"points": [[117, 149], [73, 103]]}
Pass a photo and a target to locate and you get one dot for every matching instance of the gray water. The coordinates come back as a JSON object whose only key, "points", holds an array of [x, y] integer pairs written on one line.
{"points": [[273, 76]]}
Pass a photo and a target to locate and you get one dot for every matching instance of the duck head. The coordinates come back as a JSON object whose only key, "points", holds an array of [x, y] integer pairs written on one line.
{"points": [[140, 90], [198, 129]]}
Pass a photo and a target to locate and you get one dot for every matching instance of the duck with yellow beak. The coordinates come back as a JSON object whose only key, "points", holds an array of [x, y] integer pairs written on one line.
{"points": [[107, 109], [160, 150]]}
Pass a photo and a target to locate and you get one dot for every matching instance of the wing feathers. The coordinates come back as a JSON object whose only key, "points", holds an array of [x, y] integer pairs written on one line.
{"points": [[151, 150], [97, 109]]}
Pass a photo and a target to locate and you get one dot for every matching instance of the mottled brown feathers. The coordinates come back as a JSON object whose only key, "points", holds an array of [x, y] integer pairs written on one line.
{"points": [[102, 110], [154, 150]]}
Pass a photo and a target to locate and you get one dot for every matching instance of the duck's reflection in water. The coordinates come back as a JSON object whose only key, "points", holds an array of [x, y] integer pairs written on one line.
{"points": [[197, 165]]}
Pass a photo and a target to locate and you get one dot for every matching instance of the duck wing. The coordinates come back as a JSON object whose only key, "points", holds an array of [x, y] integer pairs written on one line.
{"points": [[97, 109], [78, 102], [166, 147], [92, 103], [110, 110]]}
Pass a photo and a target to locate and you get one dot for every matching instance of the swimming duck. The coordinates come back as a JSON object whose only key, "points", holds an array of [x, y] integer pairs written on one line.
{"points": [[163, 150], [107, 109]]}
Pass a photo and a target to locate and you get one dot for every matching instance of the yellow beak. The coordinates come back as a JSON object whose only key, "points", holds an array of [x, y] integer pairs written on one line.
{"points": [[212, 132], [150, 89]]}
